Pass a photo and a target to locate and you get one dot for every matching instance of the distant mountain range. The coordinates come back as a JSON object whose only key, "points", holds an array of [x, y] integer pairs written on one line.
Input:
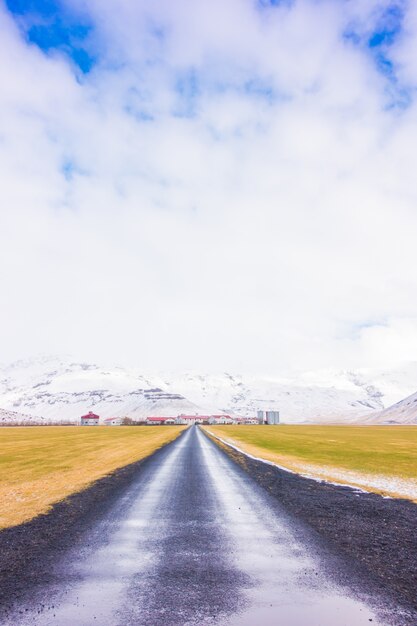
{"points": [[57, 390], [61, 389], [403, 412]]}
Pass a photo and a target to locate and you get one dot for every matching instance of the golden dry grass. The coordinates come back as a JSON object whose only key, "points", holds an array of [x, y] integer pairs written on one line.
{"points": [[382, 459], [43, 465]]}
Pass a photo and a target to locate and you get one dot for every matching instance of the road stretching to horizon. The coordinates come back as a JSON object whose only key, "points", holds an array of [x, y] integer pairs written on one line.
{"points": [[194, 540]]}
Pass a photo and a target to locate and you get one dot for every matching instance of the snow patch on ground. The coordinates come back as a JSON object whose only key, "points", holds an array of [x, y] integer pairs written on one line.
{"points": [[390, 486]]}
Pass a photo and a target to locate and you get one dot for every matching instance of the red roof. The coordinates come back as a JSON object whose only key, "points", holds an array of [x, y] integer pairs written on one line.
{"points": [[90, 416], [159, 419], [194, 417]]}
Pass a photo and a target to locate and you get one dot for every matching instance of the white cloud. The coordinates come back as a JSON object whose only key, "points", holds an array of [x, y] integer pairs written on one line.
{"points": [[237, 194]]}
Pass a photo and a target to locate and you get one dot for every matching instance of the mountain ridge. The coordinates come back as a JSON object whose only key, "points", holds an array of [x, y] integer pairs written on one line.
{"points": [[403, 412], [61, 389]]}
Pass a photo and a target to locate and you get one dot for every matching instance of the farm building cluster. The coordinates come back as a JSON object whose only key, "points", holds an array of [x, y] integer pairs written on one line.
{"points": [[263, 417], [201, 419]]}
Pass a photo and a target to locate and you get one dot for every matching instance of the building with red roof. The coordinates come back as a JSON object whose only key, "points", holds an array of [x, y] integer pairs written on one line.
{"points": [[192, 419], [189, 420], [160, 420], [90, 419]]}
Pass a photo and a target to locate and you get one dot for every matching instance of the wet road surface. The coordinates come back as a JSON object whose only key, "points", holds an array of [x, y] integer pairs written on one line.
{"points": [[196, 541]]}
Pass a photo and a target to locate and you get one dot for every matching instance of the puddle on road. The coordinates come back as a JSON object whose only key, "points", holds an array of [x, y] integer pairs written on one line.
{"points": [[335, 611]]}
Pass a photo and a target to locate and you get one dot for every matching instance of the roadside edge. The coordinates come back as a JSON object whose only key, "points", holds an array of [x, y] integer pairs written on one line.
{"points": [[376, 533]]}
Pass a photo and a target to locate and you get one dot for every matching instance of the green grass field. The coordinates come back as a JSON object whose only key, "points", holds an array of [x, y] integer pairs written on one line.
{"points": [[42, 465], [376, 458]]}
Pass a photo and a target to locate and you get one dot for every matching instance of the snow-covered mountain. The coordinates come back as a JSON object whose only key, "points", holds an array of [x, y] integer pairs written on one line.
{"points": [[58, 389], [403, 412], [310, 396], [62, 390], [294, 398], [7, 417]]}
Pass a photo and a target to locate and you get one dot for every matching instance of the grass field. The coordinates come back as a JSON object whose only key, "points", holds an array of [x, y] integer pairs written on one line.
{"points": [[376, 458], [42, 465]]}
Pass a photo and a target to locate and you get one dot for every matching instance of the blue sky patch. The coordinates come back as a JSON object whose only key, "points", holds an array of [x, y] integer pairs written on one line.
{"points": [[377, 42], [68, 169], [265, 4], [45, 8], [260, 89], [52, 27], [387, 28], [187, 88]]}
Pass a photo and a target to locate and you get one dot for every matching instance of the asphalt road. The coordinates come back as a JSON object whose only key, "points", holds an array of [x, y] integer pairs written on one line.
{"points": [[194, 540]]}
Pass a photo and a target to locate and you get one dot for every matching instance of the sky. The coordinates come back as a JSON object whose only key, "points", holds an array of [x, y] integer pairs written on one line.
{"points": [[209, 185]]}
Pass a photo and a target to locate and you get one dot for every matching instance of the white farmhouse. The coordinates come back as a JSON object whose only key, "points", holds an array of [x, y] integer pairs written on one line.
{"points": [[113, 421], [90, 419]]}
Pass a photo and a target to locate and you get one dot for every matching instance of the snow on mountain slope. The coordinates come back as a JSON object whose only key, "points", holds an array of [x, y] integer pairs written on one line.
{"points": [[325, 395], [391, 385], [403, 412], [296, 401], [12, 417], [61, 389]]}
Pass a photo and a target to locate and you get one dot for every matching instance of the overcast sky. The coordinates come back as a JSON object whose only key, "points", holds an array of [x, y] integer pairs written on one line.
{"points": [[209, 185]]}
